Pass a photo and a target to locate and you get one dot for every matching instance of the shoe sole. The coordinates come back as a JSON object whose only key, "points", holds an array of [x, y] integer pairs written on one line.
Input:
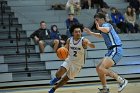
{"points": [[102, 92], [126, 82]]}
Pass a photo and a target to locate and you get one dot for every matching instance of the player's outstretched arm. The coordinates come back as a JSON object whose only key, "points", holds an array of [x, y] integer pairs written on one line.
{"points": [[87, 43], [98, 35]]}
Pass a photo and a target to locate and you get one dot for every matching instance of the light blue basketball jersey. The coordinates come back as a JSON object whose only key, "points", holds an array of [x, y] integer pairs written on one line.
{"points": [[111, 38]]}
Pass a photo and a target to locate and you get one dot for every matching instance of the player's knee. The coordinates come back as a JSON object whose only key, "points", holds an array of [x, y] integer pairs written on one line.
{"points": [[56, 41], [41, 42], [100, 68]]}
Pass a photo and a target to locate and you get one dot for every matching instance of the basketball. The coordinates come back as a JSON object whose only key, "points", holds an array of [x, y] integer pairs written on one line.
{"points": [[62, 53]]}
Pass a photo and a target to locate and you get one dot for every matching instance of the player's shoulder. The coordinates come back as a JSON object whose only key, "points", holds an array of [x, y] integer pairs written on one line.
{"points": [[106, 24]]}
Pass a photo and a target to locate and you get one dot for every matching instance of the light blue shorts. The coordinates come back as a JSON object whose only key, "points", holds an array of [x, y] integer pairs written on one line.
{"points": [[115, 54]]}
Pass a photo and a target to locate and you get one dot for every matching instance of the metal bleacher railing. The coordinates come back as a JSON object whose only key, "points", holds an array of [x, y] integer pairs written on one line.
{"points": [[2, 4]]}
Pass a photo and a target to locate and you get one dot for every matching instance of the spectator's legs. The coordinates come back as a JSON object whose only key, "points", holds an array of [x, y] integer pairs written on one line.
{"points": [[41, 46], [36, 40], [122, 27], [89, 4], [130, 27], [56, 43], [72, 9], [77, 9], [136, 27]]}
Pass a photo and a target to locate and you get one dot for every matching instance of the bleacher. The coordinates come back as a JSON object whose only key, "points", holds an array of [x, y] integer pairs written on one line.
{"points": [[26, 66]]}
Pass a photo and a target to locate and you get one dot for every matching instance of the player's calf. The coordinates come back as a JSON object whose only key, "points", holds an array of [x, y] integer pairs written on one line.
{"points": [[54, 80]]}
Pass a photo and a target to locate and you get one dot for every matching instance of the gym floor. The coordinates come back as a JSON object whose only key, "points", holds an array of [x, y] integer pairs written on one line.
{"points": [[133, 87]]}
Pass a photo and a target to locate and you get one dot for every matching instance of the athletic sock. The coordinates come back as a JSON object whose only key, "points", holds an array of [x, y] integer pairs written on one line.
{"points": [[120, 79]]}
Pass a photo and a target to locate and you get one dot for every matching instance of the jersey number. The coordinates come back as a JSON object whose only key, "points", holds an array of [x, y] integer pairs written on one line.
{"points": [[75, 53]]}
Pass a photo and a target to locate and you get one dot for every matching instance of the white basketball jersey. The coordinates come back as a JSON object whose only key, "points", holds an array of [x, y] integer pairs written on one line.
{"points": [[76, 51]]}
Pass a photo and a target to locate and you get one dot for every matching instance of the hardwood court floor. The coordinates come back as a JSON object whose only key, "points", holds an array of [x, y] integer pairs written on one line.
{"points": [[130, 88]]}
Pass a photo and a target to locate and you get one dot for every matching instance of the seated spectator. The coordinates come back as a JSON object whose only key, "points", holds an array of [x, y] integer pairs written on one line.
{"points": [[69, 22], [86, 4], [73, 6], [55, 35], [135, 4], [130, 17], [58, 7], [42, 37], [97, 3], [118, 20]]}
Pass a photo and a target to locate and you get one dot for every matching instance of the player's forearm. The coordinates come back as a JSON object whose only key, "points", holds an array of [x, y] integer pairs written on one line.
{"points": [[98, 35], [104, 29], [91, 45]]}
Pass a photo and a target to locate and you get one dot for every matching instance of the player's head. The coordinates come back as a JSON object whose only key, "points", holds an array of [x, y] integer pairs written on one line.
{"points": [[76, 30], [43, 25], [100, 17]]}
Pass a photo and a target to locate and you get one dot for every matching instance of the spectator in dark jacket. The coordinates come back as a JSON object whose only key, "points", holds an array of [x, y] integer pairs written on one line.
{"points": [[56, 35], [118, 19], [69, 22], [42, 37]]}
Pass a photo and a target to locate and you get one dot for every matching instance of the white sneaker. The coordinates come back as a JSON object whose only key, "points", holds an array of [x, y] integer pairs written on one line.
{"points": [[122, 85], [103, 90]]}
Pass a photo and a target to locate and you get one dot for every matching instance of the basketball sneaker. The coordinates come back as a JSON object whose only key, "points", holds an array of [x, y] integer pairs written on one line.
{"points": [[122, 85], [51, 90], [54, 80], [104, 90]]}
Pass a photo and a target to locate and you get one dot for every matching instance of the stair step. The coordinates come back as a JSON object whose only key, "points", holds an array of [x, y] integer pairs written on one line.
{"points": [[17, 58], [13, 50], [37, 75], [13, 21], [21, 67]]}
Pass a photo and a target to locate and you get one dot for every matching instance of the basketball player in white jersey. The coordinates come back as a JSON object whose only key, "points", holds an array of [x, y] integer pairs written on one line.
{"points": [[76, 59]]}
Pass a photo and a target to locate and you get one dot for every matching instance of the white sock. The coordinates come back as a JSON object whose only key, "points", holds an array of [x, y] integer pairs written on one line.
{"points": [[120, 79], [105, 87]]}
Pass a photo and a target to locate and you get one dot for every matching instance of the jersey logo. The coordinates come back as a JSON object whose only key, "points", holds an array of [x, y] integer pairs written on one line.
{"points": [[75, 48]]}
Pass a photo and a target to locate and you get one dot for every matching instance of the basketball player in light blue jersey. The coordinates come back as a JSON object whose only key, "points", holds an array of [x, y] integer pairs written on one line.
{"points": [[114, 54], [76, 59]]}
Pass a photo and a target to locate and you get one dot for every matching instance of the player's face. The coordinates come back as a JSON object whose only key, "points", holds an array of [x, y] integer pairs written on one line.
{"points": [[43, 25], [98, 20], [77, 33]]}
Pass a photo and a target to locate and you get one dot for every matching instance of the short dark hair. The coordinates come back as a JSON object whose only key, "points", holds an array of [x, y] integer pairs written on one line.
{"points": [[100, 15], [42, 22], [76, 26]]}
